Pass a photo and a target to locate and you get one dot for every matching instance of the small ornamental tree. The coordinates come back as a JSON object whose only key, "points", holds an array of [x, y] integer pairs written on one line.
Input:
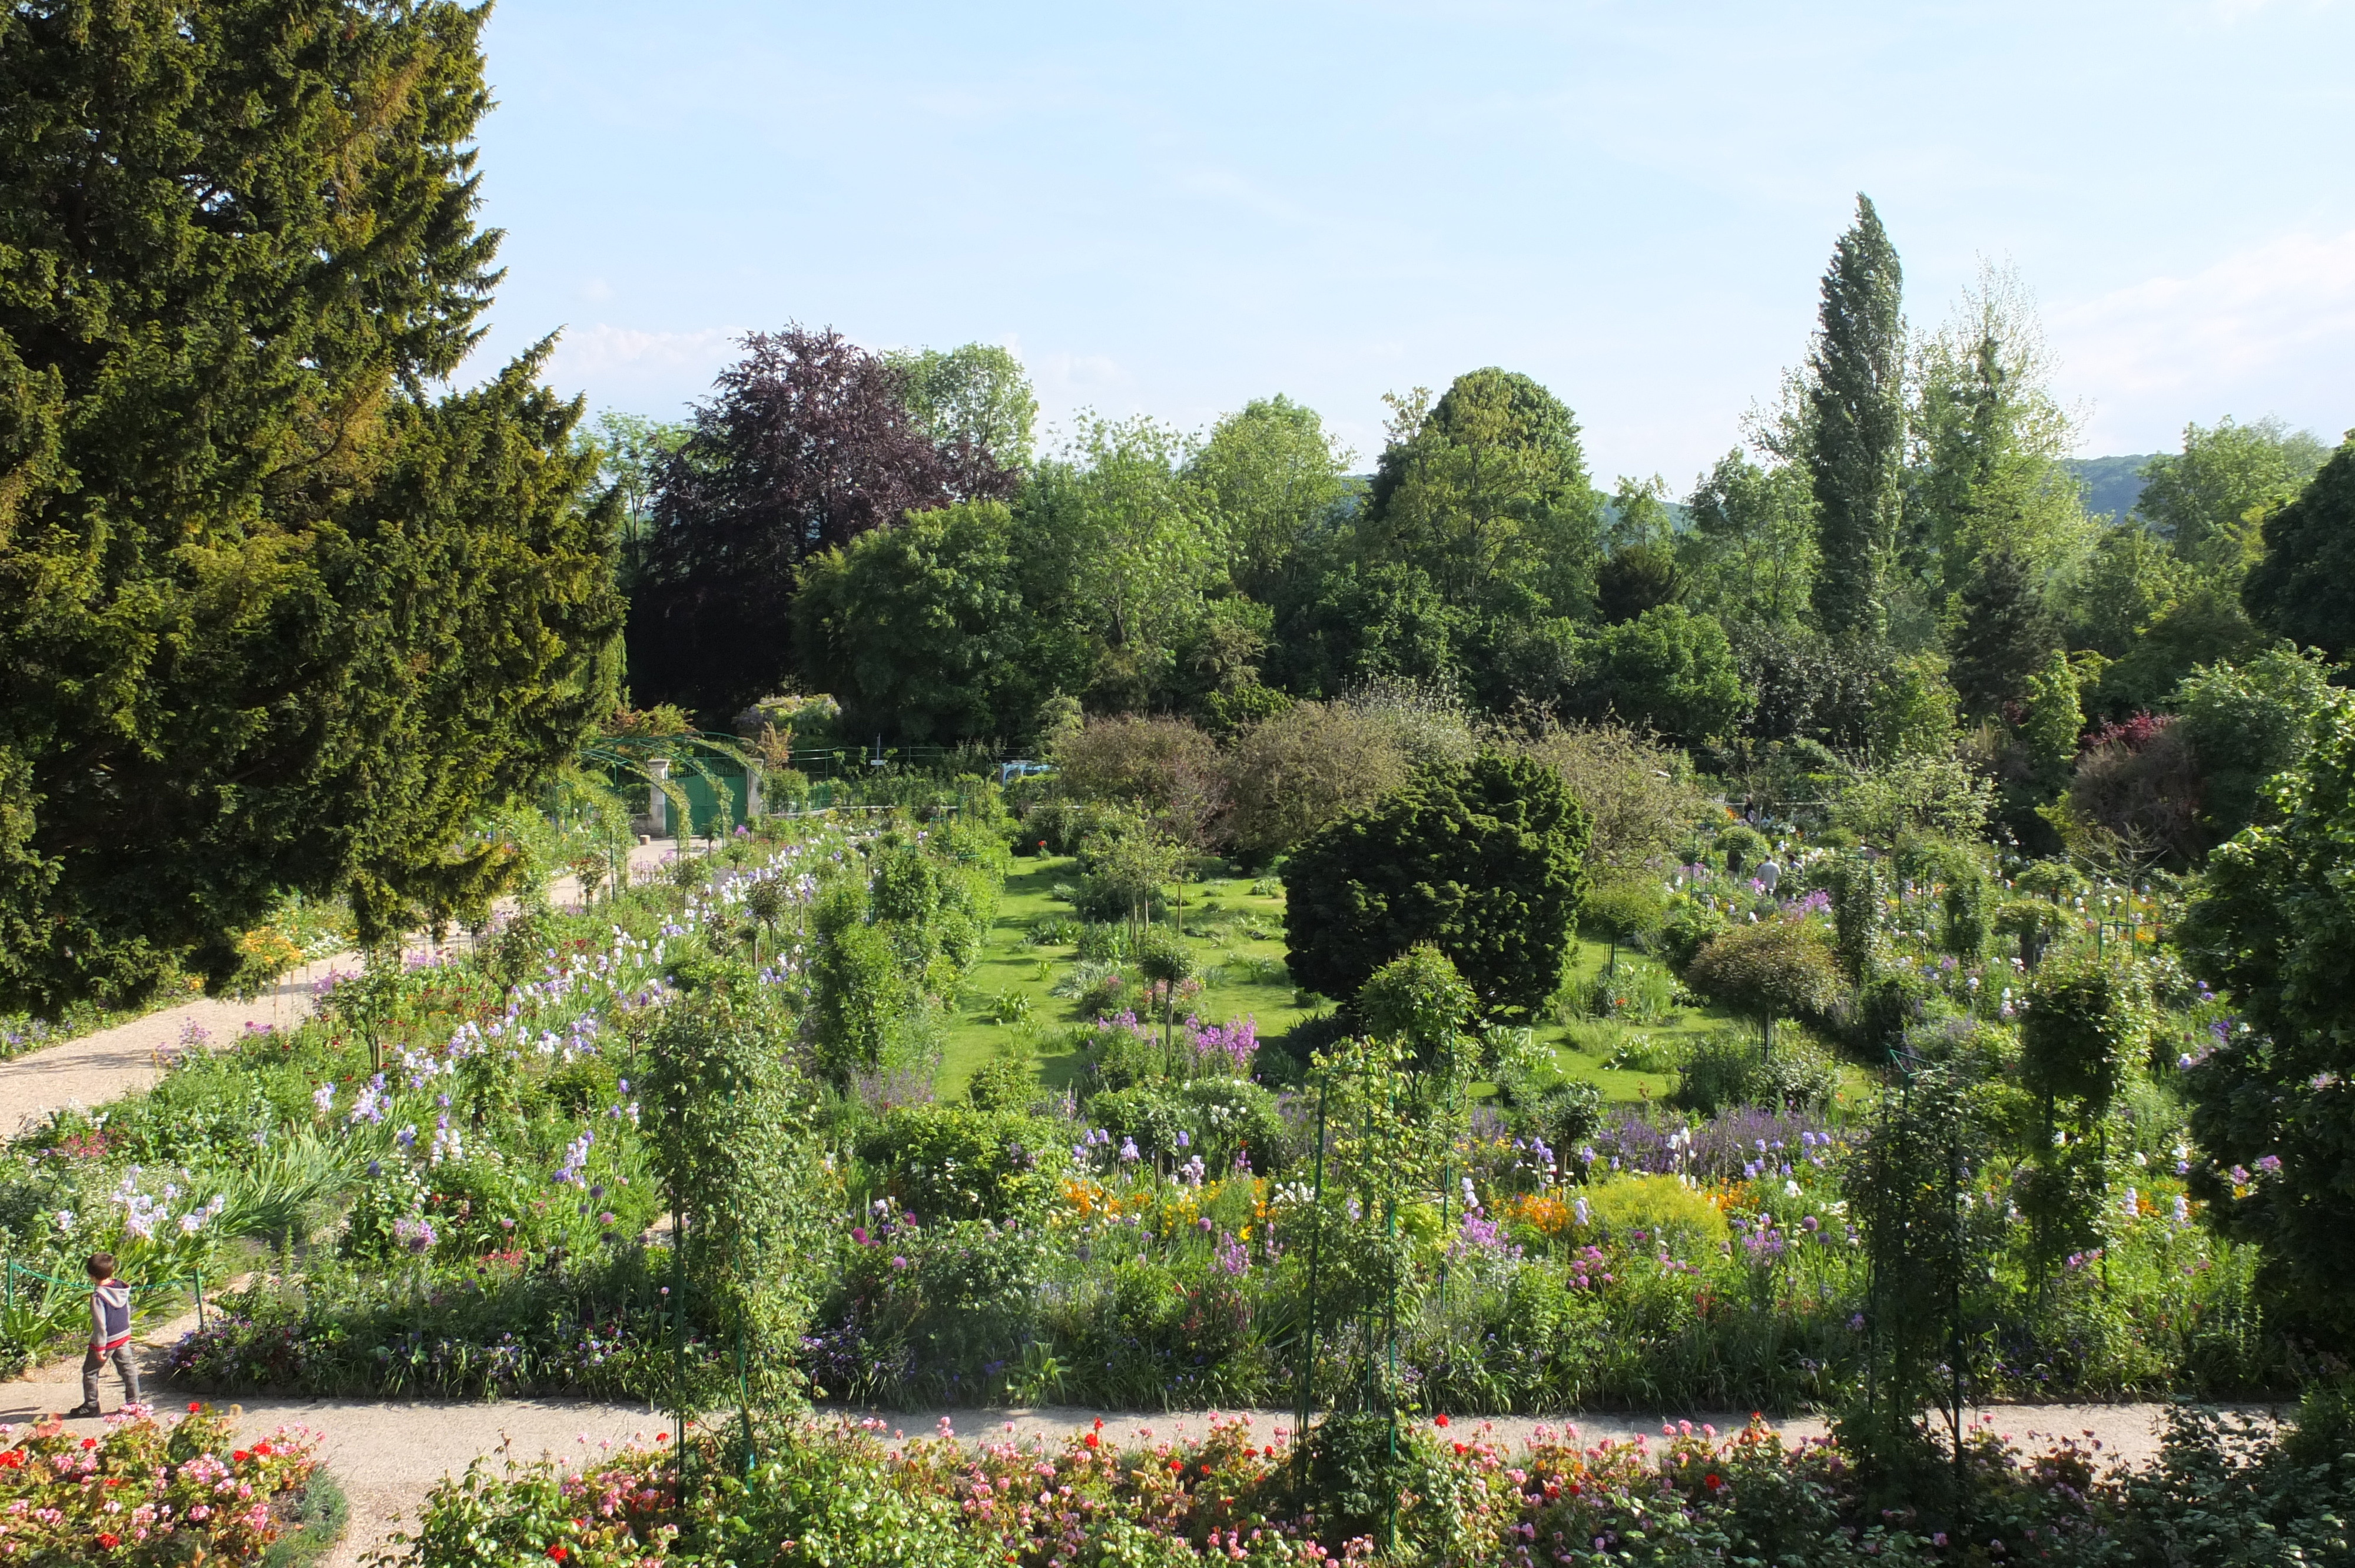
{"points": [[2086, 1023], [728, 1125], [1420, 1000], [1781, 967], [1930, 1249], [2274, 1105], [1481, 859]]}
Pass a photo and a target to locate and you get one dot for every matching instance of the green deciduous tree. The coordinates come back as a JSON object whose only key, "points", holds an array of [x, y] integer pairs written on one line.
{"points": [[922, 631], [2272, 928], [2304, 588], [1990, 440], [273, 617], [1485, 492], [974, 401], [2208, 500], [1272, 472], [1123, 548], [1481, 859], [1775, 969], [1857, 400], [1668, 670], [2244, 723], [1752, 551]]}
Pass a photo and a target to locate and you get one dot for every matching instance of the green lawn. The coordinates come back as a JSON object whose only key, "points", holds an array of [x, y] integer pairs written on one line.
{"points": [[1216, 916], [1221, 917]]}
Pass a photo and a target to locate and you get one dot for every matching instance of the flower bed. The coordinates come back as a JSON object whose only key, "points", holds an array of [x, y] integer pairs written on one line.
{"points": [[839, 1494], [149, 1491]]}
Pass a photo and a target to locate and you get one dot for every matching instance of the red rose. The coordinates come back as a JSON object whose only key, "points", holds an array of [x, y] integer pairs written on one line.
{"points": [[90, 1442], [1090, 1439], [1440, 1420], [1711, 1481], [195, 1405], [108, 1541], [558, 1553], [240, 1454]]}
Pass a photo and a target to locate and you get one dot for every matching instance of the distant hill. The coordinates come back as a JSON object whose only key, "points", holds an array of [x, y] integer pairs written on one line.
{"points": [[2113, 484]]}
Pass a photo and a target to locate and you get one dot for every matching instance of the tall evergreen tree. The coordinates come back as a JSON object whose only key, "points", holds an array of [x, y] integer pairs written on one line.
{"points": [[2007, 635], [2304, 588], [272, 617], [1856, 401]]}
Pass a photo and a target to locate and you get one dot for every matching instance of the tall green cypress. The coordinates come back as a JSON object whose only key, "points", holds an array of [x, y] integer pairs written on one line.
{"points": [[274, 614], [1856, 397]]}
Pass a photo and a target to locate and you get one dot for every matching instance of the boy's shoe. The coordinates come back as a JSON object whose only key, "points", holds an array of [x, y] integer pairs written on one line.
{"points": [[81, 1410]]}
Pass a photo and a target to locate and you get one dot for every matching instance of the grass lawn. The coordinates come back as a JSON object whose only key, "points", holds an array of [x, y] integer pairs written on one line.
{"points": [[1238, 940], [1221, 917]]}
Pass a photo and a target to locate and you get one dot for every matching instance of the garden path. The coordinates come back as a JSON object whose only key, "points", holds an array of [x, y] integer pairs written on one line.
{"points": [[388, 1453], [96, 1067], [2128, 1432]]}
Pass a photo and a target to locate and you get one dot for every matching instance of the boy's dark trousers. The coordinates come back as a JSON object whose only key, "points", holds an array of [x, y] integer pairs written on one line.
{"points": [[94, 1361]]}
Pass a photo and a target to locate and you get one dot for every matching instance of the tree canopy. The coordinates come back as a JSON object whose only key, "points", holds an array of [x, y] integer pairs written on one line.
{"points": [[275, 616]]}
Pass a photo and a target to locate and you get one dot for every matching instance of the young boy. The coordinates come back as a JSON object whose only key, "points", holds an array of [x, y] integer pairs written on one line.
{"points": [[110, 1334]]}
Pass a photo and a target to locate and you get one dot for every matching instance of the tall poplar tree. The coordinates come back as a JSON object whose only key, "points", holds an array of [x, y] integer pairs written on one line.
{"points": [[273, 614], [1856, 401]]}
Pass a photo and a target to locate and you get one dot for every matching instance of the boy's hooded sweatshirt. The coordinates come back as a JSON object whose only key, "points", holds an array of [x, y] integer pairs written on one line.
{"points": [[109, 1316]]}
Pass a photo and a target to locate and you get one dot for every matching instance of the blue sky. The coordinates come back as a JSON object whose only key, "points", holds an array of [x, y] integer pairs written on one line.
{"points": [[1172, 209]]}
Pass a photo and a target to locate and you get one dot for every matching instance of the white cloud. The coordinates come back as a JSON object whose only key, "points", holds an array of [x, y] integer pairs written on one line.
{"points": [[2275, 323], [605, 351]]}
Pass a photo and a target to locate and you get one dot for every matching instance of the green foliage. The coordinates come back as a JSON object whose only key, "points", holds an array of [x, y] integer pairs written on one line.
{"points": [[1776, 968], [973, 399], [1479, 859], [1742, 846], [277, 619], [1272, 473], [1856, 397], [2272, 926], [1668, 670], [1485, 492], [1726, 1068], [2245, 724], [1931, 1253], [1419, 1000], [860, 989], [2300, 589], [1301, 770], [1854, 882], [962, 1162], [1753, 544], [922, 630], [2209, 502], [1215, 1119], [728, 1129], [2086, 1024]]}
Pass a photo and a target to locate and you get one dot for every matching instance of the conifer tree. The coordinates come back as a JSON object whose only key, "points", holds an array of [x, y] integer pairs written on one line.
{"points": [[2007, 636], [1856, 401], [273, 616]]}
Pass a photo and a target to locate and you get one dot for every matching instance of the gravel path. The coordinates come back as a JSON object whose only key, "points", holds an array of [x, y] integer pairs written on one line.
{"points": [[96, 1067], [2128, 1432], [387, 1454]]}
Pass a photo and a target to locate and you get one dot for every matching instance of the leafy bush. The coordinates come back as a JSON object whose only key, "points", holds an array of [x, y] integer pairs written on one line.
{"points": [[961, 1162], [1479, 859], [1779, 967], [1305, 769], [1726, 1069], [1642, 1208]]}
